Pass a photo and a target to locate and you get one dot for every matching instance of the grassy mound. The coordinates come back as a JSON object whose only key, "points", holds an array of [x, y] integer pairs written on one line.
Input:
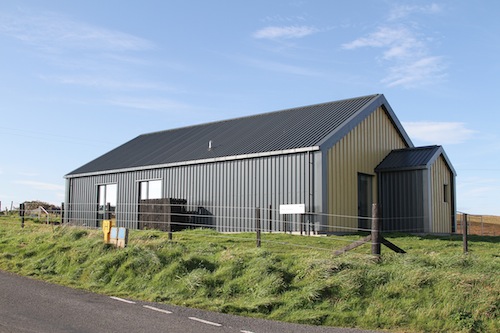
{"points": [[432, 288]]}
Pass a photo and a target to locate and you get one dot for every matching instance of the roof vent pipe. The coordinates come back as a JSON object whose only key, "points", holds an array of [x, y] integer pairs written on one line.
{"points": [[210, 145]]}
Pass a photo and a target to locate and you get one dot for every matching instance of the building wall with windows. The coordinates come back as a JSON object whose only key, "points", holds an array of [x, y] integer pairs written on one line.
{"points": [[229, 191]]}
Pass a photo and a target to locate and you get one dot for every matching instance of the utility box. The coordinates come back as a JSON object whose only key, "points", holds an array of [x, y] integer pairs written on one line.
{"points": [[106, 229], [113, 236], [122, 240]]}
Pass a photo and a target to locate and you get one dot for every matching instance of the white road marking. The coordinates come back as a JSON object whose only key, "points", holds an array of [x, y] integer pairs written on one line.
{"points": [[205, 321], [156, 309], [243, 331], [122, 300]]}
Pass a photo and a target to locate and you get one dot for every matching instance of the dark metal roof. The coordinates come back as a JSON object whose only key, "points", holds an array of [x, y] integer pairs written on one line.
{"points": [[284, 130], [412, 159]]}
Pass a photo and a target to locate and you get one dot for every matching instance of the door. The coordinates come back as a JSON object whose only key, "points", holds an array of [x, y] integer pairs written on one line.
{"points": [[106, 202], [365, 200]]}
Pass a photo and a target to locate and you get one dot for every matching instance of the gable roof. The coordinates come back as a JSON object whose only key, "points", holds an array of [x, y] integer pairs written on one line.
{"points": [[292, 130], [412, 159]]}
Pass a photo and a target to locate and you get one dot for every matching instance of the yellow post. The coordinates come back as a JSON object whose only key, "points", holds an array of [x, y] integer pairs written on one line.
{"points": [[106, 229]]}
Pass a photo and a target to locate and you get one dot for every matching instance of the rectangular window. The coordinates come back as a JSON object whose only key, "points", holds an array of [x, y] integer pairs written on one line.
{"points": [[150, 189], [445, 193], [106, 202]]}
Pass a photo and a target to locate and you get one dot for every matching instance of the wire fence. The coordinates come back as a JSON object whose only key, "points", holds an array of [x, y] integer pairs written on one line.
{"points": [[238, 223], [58, 218], [229, 219], [178, 216], [481, 225], [236, 219]]}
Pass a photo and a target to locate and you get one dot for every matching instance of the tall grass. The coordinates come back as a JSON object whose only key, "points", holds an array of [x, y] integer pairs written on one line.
{"points": [[432, 288]]}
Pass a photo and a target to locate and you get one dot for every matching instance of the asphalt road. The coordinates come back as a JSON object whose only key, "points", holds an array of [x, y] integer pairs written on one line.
{"points": [[28, 305]]}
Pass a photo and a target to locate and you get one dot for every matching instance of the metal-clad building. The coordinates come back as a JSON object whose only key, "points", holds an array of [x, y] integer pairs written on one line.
{"points": [[417, 190], [323, 156]]}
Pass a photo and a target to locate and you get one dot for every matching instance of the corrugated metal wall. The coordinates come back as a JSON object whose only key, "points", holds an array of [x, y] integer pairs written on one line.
{"points": [[401, 199], [443, 211], [360, 151], [230, 191], [418, 200]]}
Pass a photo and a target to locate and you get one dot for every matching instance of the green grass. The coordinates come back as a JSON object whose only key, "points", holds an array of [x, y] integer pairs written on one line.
{"points": [[432, 288]]}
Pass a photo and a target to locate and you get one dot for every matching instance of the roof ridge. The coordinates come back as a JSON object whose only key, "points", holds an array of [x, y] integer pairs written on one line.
{"points": [[260, 114], [418, 148]]}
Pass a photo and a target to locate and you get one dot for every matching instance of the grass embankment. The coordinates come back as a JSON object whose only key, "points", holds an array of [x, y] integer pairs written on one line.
{"points": [[432, 288]]}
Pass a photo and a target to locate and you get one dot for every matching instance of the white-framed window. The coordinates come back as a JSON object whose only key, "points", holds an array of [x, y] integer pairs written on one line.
{"points": [[106, 201], [150, 189]]}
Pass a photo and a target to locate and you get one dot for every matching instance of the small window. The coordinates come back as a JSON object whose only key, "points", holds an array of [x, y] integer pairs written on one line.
{"points": [[445, 193], [150, 189]]}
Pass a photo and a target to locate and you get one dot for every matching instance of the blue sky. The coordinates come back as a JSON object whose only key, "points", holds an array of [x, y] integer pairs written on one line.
{"points": [[79, 78]]}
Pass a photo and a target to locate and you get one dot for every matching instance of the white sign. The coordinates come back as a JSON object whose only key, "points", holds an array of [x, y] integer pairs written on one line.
{"points": [[293, 209]]}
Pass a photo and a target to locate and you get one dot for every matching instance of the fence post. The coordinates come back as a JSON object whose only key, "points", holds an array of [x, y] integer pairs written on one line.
{"points": [[307, 224], [301, 222], [270, 218], [62, 212], [482, 226], [21, 213], [257, 225], [107, 213], [376, 248], [464, 232], [168, 213]]}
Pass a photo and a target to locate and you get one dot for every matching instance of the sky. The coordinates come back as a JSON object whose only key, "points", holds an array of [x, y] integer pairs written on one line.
{"points": [[79, 78]]}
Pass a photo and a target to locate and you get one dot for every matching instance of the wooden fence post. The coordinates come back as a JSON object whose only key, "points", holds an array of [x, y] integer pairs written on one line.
{"points": [[270, 218], [464, 232], [107, 213], [21, 213], [307, 224], [482, 226], [168, 215], [62, 212], [301, 222], [257, 225], [375, 232], [375, 238]]}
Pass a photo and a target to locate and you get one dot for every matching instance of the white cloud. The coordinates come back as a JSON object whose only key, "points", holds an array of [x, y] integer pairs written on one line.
{"points": [[478, 194], [438, 132], [281, 18], [384, 36], [403, 11], [398, 43], [285, 32], [410, 63], [405, 50], [55, 32], [40, 185], [426, 70]]}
